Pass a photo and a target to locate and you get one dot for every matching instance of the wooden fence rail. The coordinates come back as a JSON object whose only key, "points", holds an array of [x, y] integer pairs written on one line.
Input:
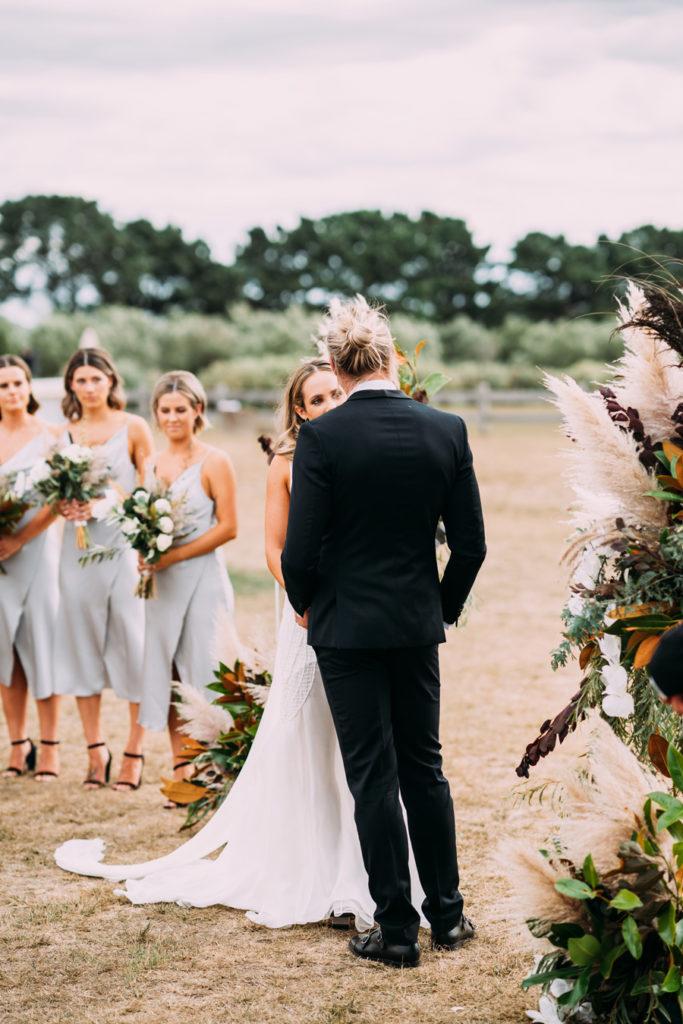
{"points": [[521, 405]]}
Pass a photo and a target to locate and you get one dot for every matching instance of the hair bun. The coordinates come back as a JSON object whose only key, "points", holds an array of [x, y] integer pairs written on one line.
{"points": [[357, 337]]}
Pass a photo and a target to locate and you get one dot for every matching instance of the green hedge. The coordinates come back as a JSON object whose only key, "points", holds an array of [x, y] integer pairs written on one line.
{"points": [[256, 348]]}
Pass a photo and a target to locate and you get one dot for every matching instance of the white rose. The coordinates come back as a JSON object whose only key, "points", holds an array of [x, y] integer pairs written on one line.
{"points": [[39, 471], [102, 508], [610, 648], [141, 496], [76, 453], [164, 542], [129, 527], [618, 705], [615, 679], [165, 524], [162, 506]]}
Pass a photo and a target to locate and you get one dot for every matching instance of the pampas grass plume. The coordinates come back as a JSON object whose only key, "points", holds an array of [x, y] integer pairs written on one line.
{"points": [[202, 720]]}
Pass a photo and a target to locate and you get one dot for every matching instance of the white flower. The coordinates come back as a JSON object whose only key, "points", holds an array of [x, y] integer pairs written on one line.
{"points": [[165, 524], [76, 453], [164, 542], [588, 568], [104, 506], [141, 496], [129, 527], [610, 648], [547, 1012], [21, 484], [162, 506], [618, 705], [39, 471], [575, 604], [615, 679]]}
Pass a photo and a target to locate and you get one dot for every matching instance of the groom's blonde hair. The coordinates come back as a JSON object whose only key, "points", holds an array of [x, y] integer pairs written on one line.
{"points": [[357, 337]]}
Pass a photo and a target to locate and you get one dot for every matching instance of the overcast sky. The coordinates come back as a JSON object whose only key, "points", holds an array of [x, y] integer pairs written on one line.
{"points": [[214, 115]]}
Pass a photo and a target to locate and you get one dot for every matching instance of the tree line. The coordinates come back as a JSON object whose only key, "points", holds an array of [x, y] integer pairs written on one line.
{"points": [[428, 267]]}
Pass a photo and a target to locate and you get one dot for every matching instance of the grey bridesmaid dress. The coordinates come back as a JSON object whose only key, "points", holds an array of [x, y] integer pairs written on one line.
{"points": [[193, 598], [29, 592], [101, 624]]}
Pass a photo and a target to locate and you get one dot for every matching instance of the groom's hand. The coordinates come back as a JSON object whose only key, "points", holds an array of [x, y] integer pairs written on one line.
{"points": [[302, 620]]}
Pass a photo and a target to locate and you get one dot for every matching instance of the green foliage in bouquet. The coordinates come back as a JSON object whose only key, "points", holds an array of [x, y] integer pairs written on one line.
{"points": [[620, 957], [421, 389], [242, 693], [12, 507]]}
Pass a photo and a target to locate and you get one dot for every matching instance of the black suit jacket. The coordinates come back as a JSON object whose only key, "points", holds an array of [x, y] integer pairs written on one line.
{"points": [[370, 480]]}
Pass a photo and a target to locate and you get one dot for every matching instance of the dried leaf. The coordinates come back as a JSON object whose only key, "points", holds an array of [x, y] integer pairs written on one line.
{"points": [[671, 450], [586, 654], [419, 347], [636, 638], [181, 791], [658, 748], [645, 651], [191, 749]]}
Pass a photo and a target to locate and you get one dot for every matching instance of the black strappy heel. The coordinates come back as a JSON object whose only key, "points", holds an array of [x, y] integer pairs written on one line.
{"points": [[98, 783], [171, 805], [131, 785], [43, 774], [29, 760]]}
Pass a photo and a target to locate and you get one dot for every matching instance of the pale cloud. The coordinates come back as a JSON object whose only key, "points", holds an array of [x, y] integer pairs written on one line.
{"points": [[513, 115]]}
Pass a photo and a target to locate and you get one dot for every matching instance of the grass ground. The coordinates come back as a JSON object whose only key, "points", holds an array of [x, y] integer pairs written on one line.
{"points": [[73, 951]]}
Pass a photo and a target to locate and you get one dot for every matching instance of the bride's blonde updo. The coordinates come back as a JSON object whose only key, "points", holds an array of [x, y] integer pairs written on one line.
{"points": [[357, 337]]}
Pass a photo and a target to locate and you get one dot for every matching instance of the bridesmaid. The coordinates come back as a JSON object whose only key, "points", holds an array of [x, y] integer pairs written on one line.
{"points": [[194, 590], [100, 624], [28, 591]]}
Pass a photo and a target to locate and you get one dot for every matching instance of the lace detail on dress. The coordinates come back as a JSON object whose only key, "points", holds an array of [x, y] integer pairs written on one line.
{"points": [[296, 665]]}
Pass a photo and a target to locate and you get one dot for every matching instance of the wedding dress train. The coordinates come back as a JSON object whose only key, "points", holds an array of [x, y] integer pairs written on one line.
{"points": [[291, 853]]}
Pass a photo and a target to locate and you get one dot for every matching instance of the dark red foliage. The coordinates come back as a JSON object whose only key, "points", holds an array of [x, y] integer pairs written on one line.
{"points": [[550, 733]]}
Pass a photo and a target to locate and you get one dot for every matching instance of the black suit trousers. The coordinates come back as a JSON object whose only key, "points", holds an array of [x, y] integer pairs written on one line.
{"points": [[385, 706]]}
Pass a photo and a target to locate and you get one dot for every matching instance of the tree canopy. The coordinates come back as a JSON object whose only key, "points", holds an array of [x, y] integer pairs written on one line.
{"points": [[428, 266]]}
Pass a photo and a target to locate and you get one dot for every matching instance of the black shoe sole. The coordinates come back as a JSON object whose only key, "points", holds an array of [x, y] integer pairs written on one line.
{"points": [[389, 963]]}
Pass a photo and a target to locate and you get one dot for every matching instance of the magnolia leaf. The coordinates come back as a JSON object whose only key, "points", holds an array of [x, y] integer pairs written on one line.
{"points": [[587, 653], [634, 943], [192, 748], [584, 951], [664, 495], [625, 900], [672, 450], [635, 639], [645, 651], [575, 889], [658, 748], [434, 382], [181, 791], [674, 760]]}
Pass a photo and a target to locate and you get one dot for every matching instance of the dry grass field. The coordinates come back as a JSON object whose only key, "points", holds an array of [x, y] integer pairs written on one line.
{"points": [[73, 951]]}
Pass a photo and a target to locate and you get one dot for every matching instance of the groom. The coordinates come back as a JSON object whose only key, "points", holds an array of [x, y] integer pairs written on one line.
{"points": [[371, 479]]}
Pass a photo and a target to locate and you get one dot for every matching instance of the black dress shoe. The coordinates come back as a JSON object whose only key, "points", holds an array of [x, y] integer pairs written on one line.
{"points": [[463, 932], [372, 946]]}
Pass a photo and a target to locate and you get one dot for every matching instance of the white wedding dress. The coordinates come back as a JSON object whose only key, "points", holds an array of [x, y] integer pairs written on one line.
{"points": [[291, 853]]}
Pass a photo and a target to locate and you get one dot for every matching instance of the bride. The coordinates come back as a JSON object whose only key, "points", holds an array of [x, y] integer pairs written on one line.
{"points": [[290, 848]]}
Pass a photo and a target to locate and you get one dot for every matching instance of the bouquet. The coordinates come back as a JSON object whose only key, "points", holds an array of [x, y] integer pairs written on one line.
{"points": [[150, 521], [13, 504], [72, 473], [220, 736]]}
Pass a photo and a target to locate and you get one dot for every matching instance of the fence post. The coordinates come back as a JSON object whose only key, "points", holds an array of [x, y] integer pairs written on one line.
{"points": [[483, 404]]}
